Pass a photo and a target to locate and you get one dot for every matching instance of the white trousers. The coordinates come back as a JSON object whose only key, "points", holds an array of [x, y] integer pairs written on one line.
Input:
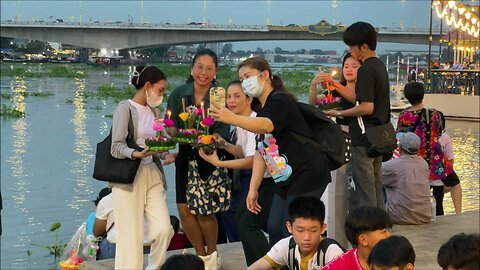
{"points": [[337, 206], [145, 200]]}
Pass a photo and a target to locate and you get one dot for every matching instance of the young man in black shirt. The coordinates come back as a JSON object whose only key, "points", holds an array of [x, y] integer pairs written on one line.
{"points": [[373, 107]]}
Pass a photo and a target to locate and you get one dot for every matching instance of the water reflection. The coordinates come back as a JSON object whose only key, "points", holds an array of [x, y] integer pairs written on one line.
{"points": [[79, 167], [20, 186]]}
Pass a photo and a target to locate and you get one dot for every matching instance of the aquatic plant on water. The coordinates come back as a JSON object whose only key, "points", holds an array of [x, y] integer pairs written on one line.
{"points": [[58, 246], [8, 111]]}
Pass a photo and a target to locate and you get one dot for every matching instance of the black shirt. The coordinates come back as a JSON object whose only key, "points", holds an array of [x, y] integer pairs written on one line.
{"points": [[372, 86], [286, 117]]}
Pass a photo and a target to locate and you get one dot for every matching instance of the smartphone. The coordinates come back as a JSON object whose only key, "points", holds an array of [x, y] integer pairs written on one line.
{"points": [[217, 95]]}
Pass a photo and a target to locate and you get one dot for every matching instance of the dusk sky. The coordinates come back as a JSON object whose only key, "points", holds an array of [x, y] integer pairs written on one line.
{"points": [[385, 13]]}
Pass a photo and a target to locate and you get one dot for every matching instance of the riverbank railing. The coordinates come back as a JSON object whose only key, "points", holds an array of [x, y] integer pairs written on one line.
{"points": [[460, 82]]}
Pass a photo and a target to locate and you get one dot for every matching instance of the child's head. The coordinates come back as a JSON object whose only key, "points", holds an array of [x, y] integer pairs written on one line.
{"points": [[305, 222], [394, 253], [462, 251], [175, 223], [367, 225], [104, 192], [183, 261], [414, 92]]}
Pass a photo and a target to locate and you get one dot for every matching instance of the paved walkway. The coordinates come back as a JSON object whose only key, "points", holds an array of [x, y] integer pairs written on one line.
{"points": [[426, 240]]}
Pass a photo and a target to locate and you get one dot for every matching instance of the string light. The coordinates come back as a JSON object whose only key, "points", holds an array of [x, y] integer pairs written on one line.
{"points": [[459, 16]]}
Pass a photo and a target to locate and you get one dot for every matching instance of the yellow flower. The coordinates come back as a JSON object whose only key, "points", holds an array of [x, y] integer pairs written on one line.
{"points": [[207, 139], [184, 116]]}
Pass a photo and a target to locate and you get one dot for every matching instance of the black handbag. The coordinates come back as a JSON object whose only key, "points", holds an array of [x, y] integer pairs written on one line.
{"points": [[381, 138], [110, 169]]}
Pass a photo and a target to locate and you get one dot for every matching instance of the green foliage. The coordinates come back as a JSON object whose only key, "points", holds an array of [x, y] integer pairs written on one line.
{"points": [[113, 92], [57, 248], [52, 71], [296, 81], [8, 111]]}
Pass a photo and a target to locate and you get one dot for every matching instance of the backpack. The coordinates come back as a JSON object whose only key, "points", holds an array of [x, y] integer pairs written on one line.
{"points": [[321, 251], [326, 136]]}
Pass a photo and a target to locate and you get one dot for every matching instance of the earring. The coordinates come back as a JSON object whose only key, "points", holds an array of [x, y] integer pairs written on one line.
{"points": [[191, 72]]}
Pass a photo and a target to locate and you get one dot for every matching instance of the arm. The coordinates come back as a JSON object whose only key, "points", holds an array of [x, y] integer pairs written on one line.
{"points": [[389, 177], [243, 163], [345, 92], [318, 79], [99, 227], [364, 108], [258, 171], [119, 147], [261, 264]]}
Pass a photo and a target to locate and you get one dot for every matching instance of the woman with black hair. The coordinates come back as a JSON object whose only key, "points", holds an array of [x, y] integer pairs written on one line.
{"points": [[201, 230], [146, 195]]}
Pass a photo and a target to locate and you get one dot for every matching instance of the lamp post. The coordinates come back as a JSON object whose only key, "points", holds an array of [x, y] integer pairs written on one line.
{"points": [[429, 58]]}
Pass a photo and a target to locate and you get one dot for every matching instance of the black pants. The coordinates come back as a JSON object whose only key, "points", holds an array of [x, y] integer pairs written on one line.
{"points": [[438, 195], [251, 227]]}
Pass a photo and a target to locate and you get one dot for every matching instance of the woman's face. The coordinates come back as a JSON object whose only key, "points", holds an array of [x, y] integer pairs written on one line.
{"points": [[350, 69], [237, 101], [204, 70], [246, 72], [159, 87]]}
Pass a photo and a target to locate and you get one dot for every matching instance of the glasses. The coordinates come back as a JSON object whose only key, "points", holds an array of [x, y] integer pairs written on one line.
{"points": [[136, 73], [200, 68]]}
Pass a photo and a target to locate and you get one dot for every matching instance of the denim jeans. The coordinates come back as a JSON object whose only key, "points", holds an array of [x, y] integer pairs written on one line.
{"points": [[366, 185]]}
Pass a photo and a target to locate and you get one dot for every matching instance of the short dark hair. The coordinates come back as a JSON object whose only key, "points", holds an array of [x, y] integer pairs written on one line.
{"points": [[306, 207], [365, 219], [395, 250], [104, 192], [144, 74], [361, 33], [183, 261], [460, 251], [414, 92]]}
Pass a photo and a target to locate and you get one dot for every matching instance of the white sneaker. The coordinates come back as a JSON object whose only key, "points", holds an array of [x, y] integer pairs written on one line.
{"points": [[210, 261], [219, 262]]}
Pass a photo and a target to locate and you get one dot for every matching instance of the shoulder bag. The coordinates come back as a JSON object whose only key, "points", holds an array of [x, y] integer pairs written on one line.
{"points": [[381, 138], [110, 169]]}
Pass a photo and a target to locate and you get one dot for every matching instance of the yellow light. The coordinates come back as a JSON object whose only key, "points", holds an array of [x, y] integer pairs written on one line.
{"points": [[474, 20], [468, 15], [461, 10]]}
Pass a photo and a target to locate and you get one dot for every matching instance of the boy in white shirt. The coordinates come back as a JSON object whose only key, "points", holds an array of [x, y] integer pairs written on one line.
{"points": [[305, 249]]}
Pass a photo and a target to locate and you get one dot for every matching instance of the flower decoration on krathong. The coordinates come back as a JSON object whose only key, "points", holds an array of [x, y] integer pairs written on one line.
{"points": [[160, 142], [330, 103], [195, 124]]}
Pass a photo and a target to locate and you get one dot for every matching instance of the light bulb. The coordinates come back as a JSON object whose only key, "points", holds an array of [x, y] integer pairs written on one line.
{"points": [[474, 20], [468, 15], [451, 4], [461, 10]]}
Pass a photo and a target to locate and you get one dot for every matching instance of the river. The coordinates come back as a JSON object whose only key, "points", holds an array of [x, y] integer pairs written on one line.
{"points": [[48, 156]]}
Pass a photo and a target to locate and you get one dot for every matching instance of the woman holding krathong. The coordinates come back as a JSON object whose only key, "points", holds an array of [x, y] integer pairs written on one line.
{"points": [[146, 195], [296, 168], [201, 230], [337, 190]]}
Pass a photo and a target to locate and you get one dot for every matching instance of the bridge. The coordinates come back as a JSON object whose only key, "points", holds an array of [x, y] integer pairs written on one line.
{"points": [[122, 35]]}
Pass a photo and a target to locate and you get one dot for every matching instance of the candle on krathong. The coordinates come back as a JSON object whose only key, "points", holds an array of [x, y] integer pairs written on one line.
{"points": [[169, 113], [183, 104], [203, 110], [334, 72]]}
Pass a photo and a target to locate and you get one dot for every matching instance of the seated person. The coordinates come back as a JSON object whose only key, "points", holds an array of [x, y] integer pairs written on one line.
{"points": [[179, 239], [394, 252], [104, 227], [91, 218], [364, 227], [305, 249], [462, 251], [183, 261], [406, 182]]}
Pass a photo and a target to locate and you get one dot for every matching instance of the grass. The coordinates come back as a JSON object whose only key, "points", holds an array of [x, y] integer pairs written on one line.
{"points": [[51, 71]]}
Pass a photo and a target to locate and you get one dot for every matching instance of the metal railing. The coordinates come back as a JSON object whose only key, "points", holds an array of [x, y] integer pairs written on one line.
{"points": [[460, 82]]}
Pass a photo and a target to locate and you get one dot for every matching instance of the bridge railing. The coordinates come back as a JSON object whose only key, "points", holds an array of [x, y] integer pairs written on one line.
{"points": [[461, 82], [121, 24]]}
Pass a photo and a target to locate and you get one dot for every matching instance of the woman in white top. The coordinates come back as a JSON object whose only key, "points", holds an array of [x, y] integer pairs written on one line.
{"points": [[146, 195]]}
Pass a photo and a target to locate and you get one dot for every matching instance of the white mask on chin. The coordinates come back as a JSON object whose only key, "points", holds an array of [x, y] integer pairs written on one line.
{"points": [[153, 100], [251, 87]]}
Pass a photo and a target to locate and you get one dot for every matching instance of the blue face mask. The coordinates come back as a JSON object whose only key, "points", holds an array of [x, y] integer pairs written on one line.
{"points": [[251, 87]]}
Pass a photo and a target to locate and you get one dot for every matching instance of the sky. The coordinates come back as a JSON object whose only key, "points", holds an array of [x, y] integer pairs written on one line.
{"points": [[386, 13]]}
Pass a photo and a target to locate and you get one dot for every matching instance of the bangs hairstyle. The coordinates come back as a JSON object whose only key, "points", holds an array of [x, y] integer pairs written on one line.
{"points": [[365, 219], [255, 105], [414, 92], [343, 81], [261, 65], [144, 74], [307, 208], [361, 33], [393, 251]]}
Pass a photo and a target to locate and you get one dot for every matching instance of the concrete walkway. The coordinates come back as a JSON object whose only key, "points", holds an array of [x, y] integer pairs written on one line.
{"points": [[426, 240]]}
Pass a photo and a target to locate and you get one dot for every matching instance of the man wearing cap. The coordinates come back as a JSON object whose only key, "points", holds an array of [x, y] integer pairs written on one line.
{"points": [[406, 182]]}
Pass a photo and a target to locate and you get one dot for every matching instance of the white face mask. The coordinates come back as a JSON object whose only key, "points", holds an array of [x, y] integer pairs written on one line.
{"points": [[251, 87], [154, 100]]}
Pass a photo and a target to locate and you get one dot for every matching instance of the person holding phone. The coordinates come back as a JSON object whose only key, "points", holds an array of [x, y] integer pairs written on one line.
{"points": [[201, 230]]}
